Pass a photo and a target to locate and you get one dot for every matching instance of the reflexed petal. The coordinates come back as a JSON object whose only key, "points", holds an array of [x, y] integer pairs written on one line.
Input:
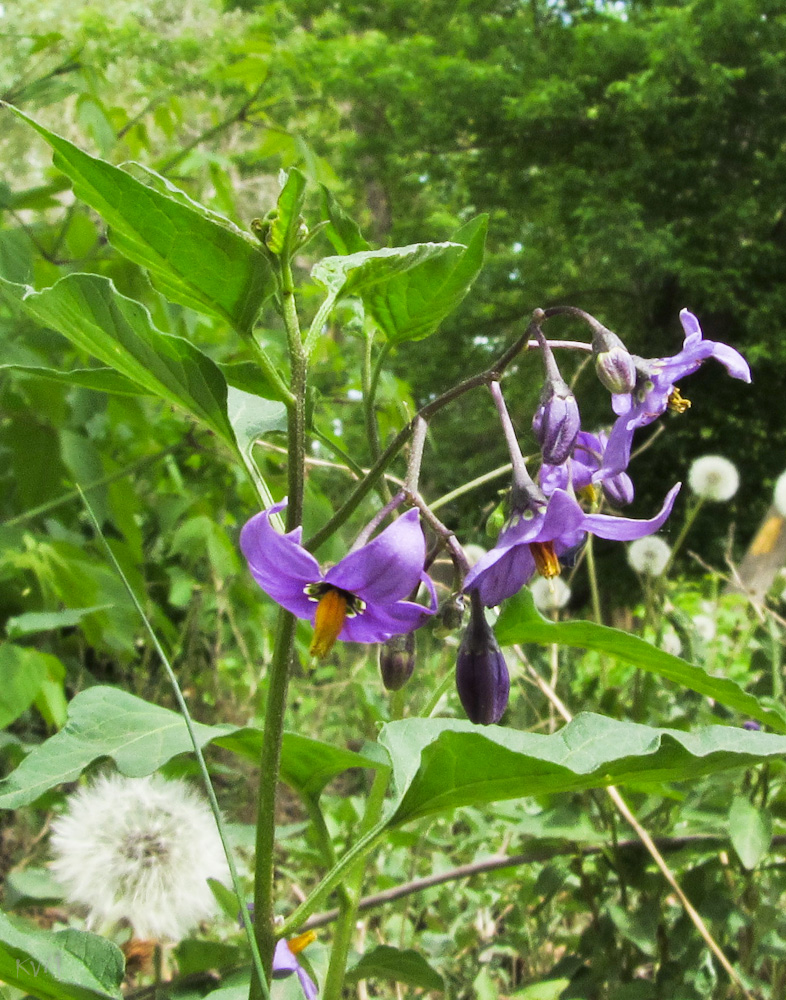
{"points": [[617, 454], [279, 563], [308, 984], [624, 529], [732, 361], [389, 567], [690, 325], [379, 622]]}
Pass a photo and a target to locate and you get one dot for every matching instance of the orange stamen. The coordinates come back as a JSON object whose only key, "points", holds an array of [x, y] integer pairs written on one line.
{"points": [[545, 558], [297, 944], [328, 622]]}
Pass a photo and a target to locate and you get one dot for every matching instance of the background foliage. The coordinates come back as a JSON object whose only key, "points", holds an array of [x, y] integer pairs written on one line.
{"points": [[631, 162]]}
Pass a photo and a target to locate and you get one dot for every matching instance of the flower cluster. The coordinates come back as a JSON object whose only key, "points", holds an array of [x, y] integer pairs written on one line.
{"points": [[370, 595]]}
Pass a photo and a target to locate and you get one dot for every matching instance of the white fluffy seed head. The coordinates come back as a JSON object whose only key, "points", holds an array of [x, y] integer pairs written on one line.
{"points": [[139, 850], [779, 495], [649, 555], [713, 477], [551, 594]]}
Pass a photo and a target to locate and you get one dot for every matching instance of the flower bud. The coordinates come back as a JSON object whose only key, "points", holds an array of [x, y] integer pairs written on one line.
{"points": [[495, 522], [556, 422], [613, 362], [482, 676], [450, 616], [618, 489], [397, 660]]}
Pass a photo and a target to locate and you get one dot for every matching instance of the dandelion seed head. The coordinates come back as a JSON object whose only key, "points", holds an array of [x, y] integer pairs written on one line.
{"points": [[670, 643], [713, 477], [779, 495], [139, 850], [649, 555], [550, 594]]}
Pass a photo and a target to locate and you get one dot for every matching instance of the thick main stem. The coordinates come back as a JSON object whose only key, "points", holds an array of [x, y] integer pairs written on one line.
{"points": [[275, 708]]}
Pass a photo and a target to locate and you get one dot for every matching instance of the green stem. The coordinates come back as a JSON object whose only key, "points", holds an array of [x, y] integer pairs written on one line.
{"points": [[473, 484], [44, 508], [275, 708], [592, 572], [272, 372], [315, 330], [369, 411], [348, 908], [690, 516], [269, 766]]}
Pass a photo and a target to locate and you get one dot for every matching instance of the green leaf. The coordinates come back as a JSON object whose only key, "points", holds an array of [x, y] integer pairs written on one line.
{"points": [[250, 378], [141, 738], [211, 267], [23, 672], [100, 379], [199, 956], [306, 765], [750, 829], [253, 418], [342, 231], [408, 290], [441, 764], [520, 622], [549, 989], [30, 886], [103, 722], [282, 235], [402, 966], [93, 315], [68, 965], [43, 621]]}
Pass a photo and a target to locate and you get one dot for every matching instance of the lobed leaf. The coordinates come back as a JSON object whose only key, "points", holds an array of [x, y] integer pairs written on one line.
{"points": [[520, 622], [67, 965], [408, 290], [140, 738], [192, 258], [441, 764], [93, 315], [397, 964]]}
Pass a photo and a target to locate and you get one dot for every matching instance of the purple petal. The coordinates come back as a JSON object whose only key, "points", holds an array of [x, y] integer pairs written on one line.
{"points": [[563, 515], [308, 984], [624, 529], [690, 325], [379, 622], [279, 563], [389, 567], [283, 959], [617, 454], [732, 361], [501, 573]]}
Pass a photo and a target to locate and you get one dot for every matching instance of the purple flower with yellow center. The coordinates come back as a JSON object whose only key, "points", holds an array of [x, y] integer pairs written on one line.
{"points": [[285, 962], [360, 599], [585, 468], [655, 391], [540, 532]]}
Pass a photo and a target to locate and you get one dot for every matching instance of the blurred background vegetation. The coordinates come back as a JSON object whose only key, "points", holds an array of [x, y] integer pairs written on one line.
{"points": [[632, 159]]}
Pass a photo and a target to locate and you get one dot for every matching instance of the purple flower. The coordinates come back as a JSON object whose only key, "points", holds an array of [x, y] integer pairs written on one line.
{"points": [[586, 467], [538, 534], [360, 599], [655, 391], [285, 963]]}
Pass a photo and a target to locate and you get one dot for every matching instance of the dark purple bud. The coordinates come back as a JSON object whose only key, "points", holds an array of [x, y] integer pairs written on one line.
{"points": [[613, 362], [450, 616], [618, 489], [397, 660], [752, 725], [482, 677]]}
